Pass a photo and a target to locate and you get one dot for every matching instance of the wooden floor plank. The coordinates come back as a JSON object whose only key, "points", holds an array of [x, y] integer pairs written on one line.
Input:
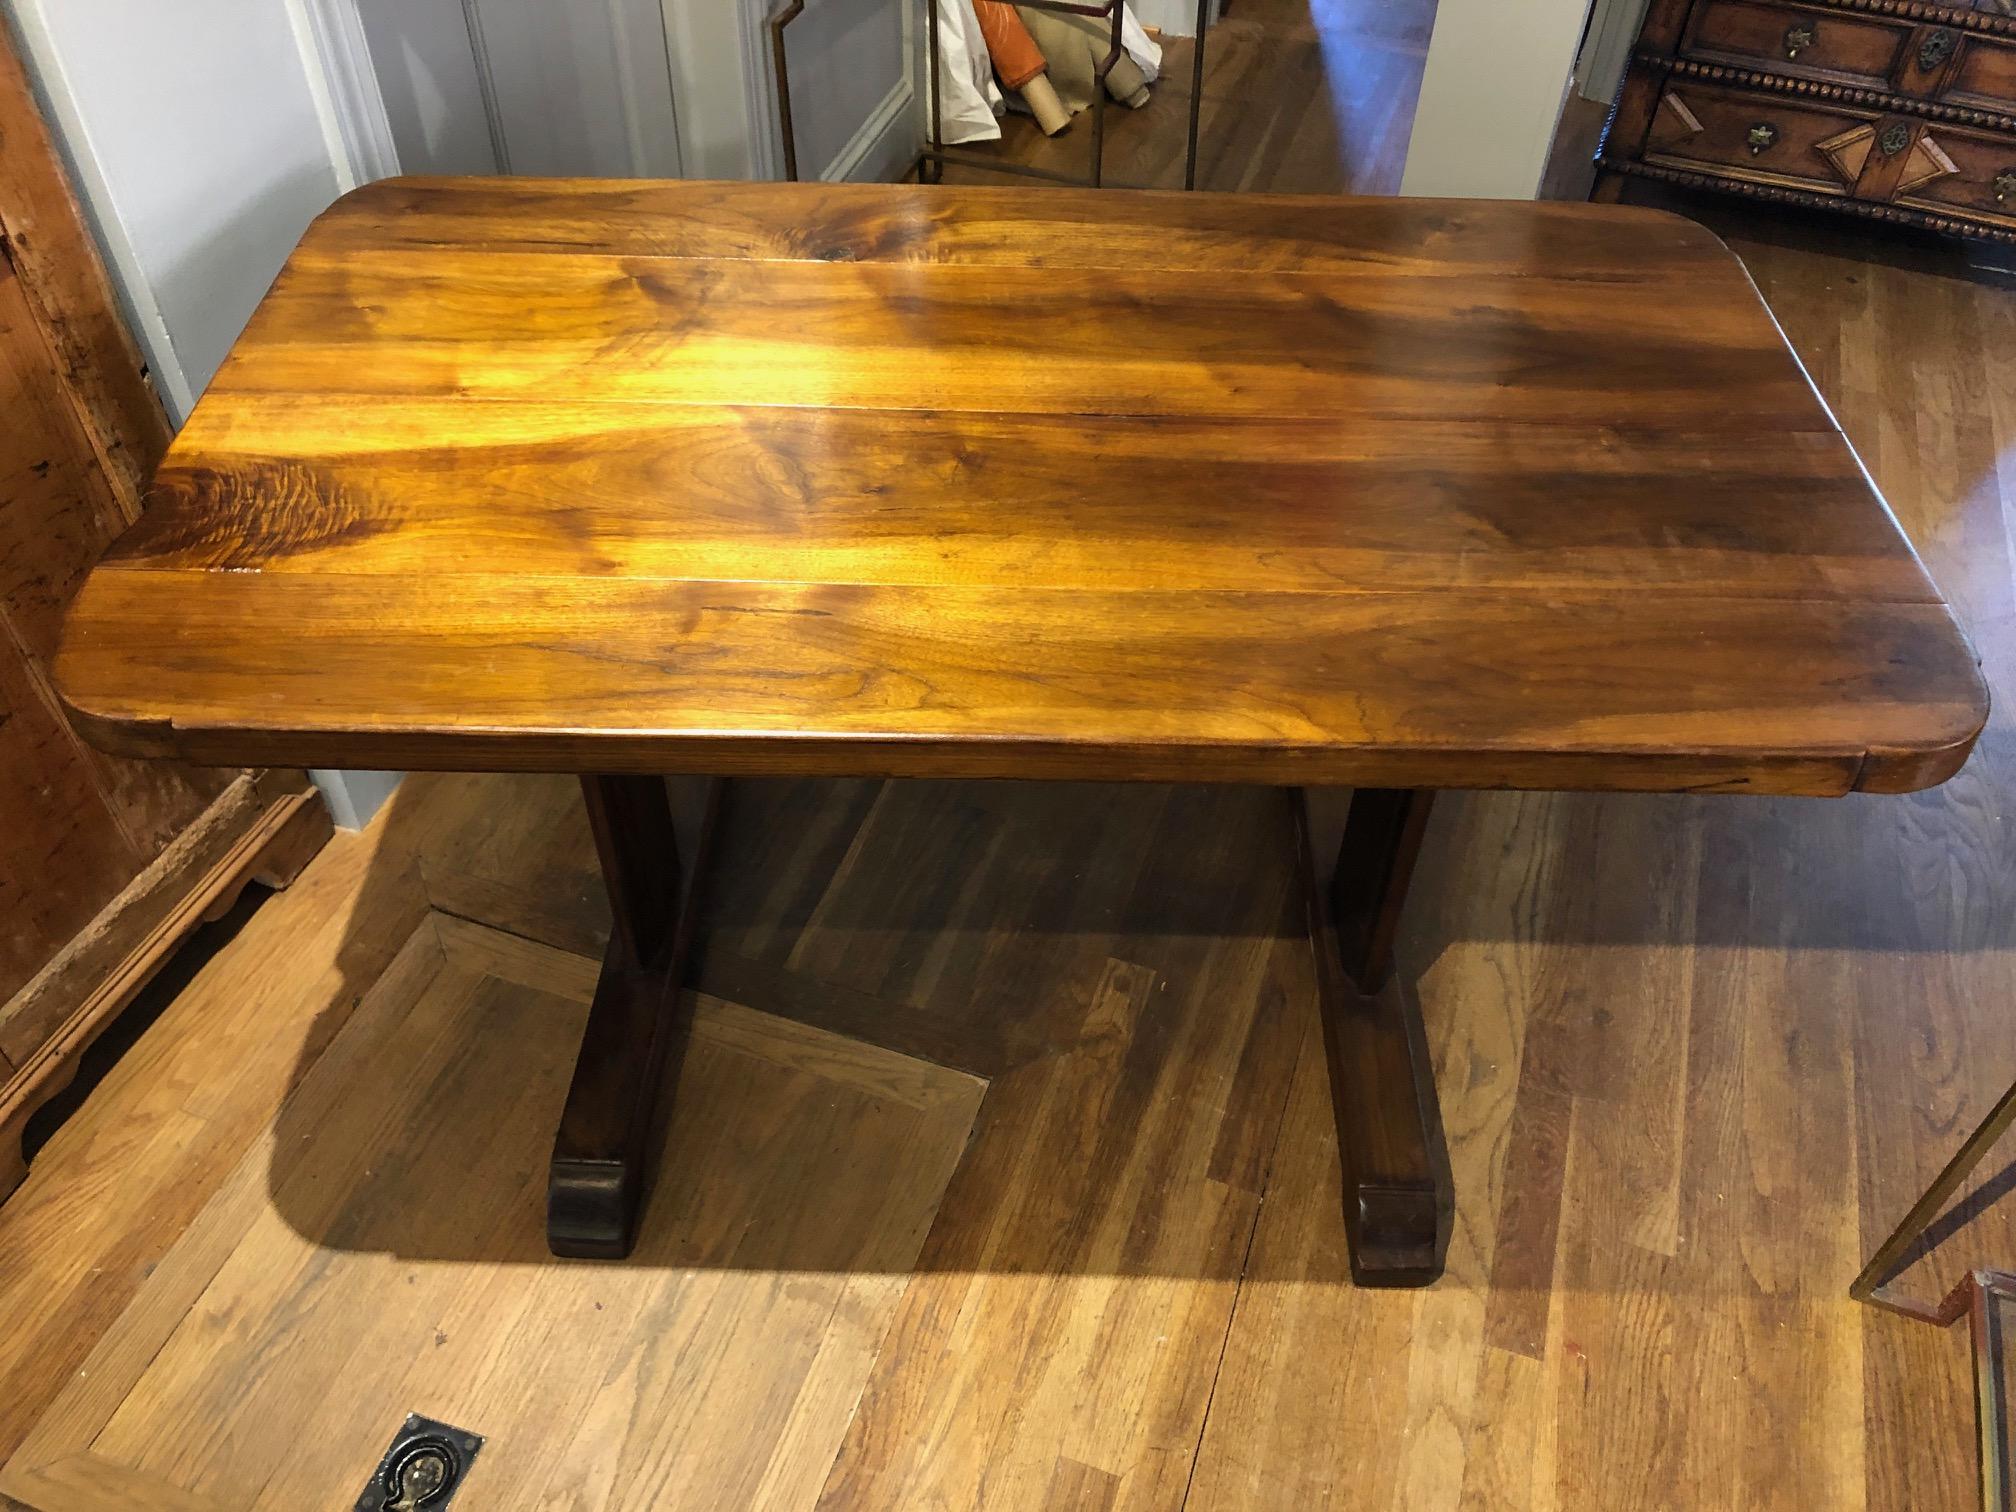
{"points": [[353, 1269], [110, 1194], [1090, 1245]]}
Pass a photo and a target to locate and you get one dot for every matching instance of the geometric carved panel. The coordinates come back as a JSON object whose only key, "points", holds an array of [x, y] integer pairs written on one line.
{"points": [[1847, 151], [1672, 122], [1928, 161]]}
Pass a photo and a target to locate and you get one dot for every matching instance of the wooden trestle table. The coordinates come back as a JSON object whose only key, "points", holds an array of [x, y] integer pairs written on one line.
{"points": [[1380, 496]]}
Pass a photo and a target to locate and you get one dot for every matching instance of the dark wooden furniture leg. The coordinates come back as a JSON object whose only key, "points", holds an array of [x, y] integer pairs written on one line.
{"points": [[1398, 1201], [637, 1026]]}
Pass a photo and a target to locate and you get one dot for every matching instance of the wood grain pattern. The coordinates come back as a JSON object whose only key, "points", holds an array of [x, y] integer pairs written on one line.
{"points": [[1697, 1056], [389, 488], [995, 226], [746, 478], [1065, 341], [75, 304], [1461, 688]]}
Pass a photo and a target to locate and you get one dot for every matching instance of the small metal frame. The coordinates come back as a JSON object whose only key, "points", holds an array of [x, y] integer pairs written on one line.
{"points": [[1984, 1297], [931, 162], [780, 19], [1989, 1308]]}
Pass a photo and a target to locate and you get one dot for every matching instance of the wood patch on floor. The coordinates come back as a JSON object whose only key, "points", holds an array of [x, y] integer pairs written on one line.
{"points": [[380, 1251]]}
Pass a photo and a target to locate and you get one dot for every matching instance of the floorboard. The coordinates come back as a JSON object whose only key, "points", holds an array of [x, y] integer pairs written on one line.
{"points": [[1006, 1177]]}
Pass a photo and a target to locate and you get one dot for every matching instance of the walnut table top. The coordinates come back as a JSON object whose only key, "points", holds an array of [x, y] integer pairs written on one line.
{"points": [[902, 480]]}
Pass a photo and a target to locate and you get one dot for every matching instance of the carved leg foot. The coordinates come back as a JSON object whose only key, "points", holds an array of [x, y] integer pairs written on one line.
{"points": [[1398, 1201], [637, 1026]]}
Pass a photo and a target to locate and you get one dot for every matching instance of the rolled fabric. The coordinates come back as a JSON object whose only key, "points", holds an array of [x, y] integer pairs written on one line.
{"points": [[1016, 56], [1075, 45]]}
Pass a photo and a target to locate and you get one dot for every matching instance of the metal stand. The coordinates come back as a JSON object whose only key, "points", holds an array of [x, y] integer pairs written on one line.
{"points": [[1985, 1298], [931, 162]]}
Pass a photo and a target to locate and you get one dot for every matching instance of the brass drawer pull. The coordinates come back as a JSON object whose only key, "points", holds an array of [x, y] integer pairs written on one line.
{"points": [[2005, 186], [1762, 135], [1797, 40], [1935, 49]]}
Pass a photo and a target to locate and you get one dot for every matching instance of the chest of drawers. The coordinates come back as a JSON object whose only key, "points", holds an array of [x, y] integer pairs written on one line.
{"points": [[1901, 110]]}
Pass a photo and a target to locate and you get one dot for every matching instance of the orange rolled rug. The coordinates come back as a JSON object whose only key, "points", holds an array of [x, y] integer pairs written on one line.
{"points": [[1016, 56]]}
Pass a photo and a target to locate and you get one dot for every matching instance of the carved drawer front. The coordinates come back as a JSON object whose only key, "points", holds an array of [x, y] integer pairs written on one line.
{"points": [[1984, 75], [1799, 41], [1762, 137], [1977, 174]]}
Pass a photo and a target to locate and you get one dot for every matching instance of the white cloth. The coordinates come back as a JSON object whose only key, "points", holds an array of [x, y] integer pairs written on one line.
{"points": [[1146, 53], [968, 98]]}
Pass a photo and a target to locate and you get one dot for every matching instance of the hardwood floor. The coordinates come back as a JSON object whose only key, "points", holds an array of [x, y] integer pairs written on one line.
{"points": [[1300, 97], [1003, 1174]]}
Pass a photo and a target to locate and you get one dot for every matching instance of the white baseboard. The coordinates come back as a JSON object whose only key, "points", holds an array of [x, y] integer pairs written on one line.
{"points": [[345, 84], [887, 144]]}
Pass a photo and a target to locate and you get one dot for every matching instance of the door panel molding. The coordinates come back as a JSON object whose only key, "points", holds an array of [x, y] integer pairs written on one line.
{"points": [[645, 62], [486, 82], [888, 137], [881, 146], [759, 91], [345, 83]]}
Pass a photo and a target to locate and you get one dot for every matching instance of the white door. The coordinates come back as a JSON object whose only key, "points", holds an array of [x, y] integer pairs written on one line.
{"points": [[645, 88], [526, 86]]}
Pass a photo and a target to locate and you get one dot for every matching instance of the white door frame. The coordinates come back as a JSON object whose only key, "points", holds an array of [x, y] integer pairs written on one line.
{"points": [[345, 82]]}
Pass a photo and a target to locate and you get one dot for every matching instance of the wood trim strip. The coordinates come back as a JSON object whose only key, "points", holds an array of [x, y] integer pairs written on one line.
{"points": [[1134, 231], [285, 823], [87, 1483], [893, 682], [1839, 94], [1894, 214]]}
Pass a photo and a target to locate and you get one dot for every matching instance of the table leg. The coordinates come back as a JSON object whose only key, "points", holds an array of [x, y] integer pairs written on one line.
{"points": [[636, 1027], [1398, 1202]]}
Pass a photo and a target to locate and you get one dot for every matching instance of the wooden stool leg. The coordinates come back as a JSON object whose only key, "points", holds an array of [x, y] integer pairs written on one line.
{"points": [[1398, 1202], [636, 1026]]}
